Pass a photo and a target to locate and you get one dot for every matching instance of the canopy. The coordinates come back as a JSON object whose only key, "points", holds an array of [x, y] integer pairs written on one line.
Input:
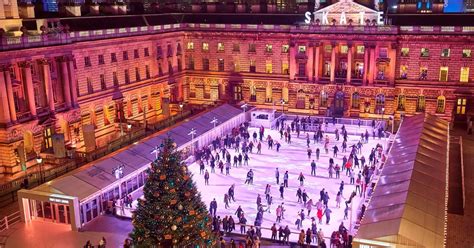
{"points": [[408, 207]]}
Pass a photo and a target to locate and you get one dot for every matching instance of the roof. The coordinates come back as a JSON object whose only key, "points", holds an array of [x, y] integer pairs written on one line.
{"points": [[408, 204], [98, 175]]}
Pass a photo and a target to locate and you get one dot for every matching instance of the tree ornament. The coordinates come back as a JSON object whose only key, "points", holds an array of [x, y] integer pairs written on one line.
{"points": [[162, 177], [180, 207], [172, 202], [168, 236], [173, 227]]}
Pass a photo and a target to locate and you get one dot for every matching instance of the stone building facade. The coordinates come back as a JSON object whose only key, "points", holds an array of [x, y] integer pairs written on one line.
{"points": [[106, 78]]}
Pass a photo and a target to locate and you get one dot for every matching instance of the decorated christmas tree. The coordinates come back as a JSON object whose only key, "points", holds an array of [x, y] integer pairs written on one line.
{"points": [[171, 213]]}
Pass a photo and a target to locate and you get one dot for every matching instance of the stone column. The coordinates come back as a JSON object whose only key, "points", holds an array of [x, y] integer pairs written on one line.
{"points": [[333, 62], [292, 66], [349, 63], [28, 82], [73, 80], [366, 63], [11, 99], [317, 61], [310, 62], [5, 110], [371, 65], [392, 54], [63, 64], [47, 83]]}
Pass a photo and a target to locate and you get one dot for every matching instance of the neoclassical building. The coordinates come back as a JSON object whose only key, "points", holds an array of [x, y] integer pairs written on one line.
{"points": [[92, 76]]}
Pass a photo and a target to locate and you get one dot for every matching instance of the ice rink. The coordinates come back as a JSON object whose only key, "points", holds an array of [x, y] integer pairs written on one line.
{"points": [[292, 158]]}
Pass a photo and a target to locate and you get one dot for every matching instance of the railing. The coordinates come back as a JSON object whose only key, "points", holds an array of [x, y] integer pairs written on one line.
{"points": [[38, 40], [8, 221]]}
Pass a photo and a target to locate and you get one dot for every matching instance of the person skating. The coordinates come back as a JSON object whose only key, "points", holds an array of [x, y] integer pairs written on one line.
{"points": [[313, 168], [309, 152], [301, 178], [249, 179], [309, 206], [335, 149], [259, 148], [279, 213], [327, 212], [282, 190], [274, 231], [259, 201], [227, 168], [206, 178], [304, 195], [278, 145], [319, 214], [299, 194], [298, 220], [277, 176], [213, 207], [281, 234], [337, 168], [338, 199], [314, 230], [301, 238], [239, 212], [285, 179], [231, 193], [317, 153], [287, 233], [226, 201], [201, 167], [243, 222]]}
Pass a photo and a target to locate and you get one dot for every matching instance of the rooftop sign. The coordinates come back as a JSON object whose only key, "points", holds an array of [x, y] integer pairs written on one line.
{"points": [[344, 12]]}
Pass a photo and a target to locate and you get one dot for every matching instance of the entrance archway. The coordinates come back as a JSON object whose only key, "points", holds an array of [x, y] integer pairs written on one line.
{"points": [[339, 104]]}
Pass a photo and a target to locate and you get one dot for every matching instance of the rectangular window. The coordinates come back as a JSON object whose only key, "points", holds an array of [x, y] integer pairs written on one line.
{"points": [[401, 103], [268, 48], [253, 67], [205, 64], [383, 52], [403, 72], [301, 69], [425, 52], [127, 76], [268, 67], [125, 55], [101, 59], [147, 71], [285, 48], [461, 106], [220, 47], [423, 73], [113, 57], [464, 77], [169, 51], [180, 65], [252, 48], [420, 104], [137, 74], [327, 48], [360, 49], [205, 46], [405, 51], [190, 63], [87, 61], [284, 68], [445, 53], [136, 55], [90, 87], [170, 68], [190, 46], [236, 47], [220, 65], [301, 49], [443, 74], [115, 78], [440, 105], [103, 85], [160, 70], [466, 53], [146, 53], [159, 52], [37, 96], [344, 49]]}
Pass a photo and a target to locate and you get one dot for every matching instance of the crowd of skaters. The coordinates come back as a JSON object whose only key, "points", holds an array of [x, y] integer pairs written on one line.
{"points": [[355, 166]]}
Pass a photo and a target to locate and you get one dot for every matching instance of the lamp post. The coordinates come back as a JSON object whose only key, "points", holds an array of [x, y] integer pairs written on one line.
{"points": [[181, 105], [214, 122], [39, 161], [282, 101], [244, 107], [192, 133], [129, 128]]}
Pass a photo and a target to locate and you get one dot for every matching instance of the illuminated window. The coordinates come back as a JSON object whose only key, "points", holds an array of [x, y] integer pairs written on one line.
{"points": [[236, 66], [190, 46], [404, 52], [420, 104], [466, 53], [327, 48], [268, 48], [220, 64], [252, 48], [220, 47], [355, 100], [268, 66], [440, 104], [383, 52], [379, 103], [113, 57], [401, 102], [445, 52], [236, 47], [253, 67], [285, 48], [101, 59], [324, 99], [461, 106], [425, 52], [103, 84], [205, 64], [146, 52], [301, 49], [360, 49], [87, 61], [284, 68], [403, 72], [344, 49], [205, 46], [443, 74], [464, 75]]}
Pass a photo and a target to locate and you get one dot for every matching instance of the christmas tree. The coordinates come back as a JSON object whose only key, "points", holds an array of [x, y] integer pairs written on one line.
{"points": [[171, 213]]}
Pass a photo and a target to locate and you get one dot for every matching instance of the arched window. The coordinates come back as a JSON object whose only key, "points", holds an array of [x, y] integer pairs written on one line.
{"points": [[401, 102], [324, 99], [253, 93], [300, 99], [420, 104], [379, 103], [440, 104], [268, 93], [355, 100]]}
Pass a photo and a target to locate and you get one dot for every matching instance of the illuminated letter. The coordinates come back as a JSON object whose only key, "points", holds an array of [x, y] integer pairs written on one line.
{"points": [[307, 17], [361, 14], [379, 18], [343, 19], [325, 17]]}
